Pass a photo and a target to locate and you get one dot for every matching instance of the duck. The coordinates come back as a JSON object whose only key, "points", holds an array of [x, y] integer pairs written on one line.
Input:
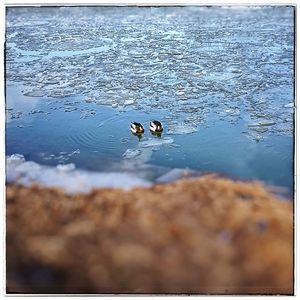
{"points": [[136, 128], [156, 127]]}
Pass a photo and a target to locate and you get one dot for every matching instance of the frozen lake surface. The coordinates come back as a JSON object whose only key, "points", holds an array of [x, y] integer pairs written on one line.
{"points": [[220, 79]]}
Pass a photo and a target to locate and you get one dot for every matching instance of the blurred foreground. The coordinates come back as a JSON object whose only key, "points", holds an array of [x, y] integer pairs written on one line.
{"points": [[204, 235]]}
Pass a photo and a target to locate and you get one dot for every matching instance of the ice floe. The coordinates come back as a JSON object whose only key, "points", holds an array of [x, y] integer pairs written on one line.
{"points": [[182, 128], [137, 156], [155, 142]]}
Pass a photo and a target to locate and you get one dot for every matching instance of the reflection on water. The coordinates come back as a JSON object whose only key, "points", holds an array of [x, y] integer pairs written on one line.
{"points": [[221, 81]]}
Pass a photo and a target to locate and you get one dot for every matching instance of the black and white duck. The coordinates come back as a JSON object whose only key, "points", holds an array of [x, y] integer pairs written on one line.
{"points": [[136, 128], [155, 127]]}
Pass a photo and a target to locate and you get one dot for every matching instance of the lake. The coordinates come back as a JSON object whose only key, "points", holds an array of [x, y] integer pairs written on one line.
{"points": [[220, 79]]}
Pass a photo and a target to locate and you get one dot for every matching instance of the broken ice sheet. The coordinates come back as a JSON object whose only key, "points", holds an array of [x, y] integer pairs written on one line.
{"points": [[155, 142], [150, 61]]}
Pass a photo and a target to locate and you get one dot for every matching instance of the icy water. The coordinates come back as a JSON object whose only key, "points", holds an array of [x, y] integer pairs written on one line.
{"points": [[220, 79]]}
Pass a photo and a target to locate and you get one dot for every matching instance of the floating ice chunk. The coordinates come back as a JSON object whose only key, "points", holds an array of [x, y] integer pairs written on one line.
{"points": [[232, 111], [267, 123], [260, 129], [264, 123], [253, 125], [68, 178], [156, 142], [138, 155], [128, 102], [66, 168], [179, 93], [182, 128]]}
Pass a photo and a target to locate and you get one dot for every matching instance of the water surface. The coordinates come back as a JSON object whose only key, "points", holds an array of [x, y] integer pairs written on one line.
{"points": [[220, 79]]}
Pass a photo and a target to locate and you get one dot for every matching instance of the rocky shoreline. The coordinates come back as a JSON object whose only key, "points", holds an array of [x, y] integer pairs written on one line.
{"points": [[206, 235]]}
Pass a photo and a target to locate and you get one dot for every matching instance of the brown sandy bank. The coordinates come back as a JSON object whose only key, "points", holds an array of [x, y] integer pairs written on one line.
{"points": [[205, 235]]}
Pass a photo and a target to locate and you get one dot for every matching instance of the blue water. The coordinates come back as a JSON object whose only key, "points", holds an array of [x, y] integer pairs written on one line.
{"points": [[220, 79]]}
